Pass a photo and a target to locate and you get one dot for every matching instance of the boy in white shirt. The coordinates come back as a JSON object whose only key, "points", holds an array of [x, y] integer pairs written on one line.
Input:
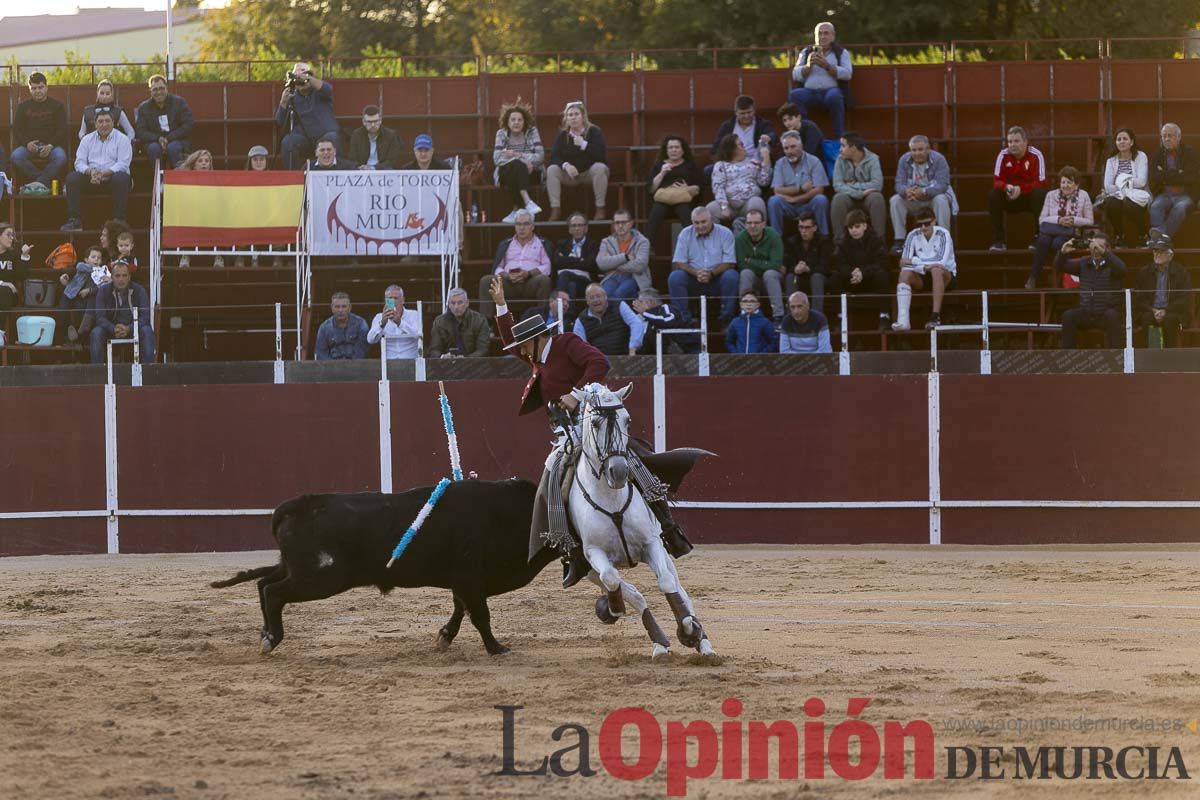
{"points": [[928, 253]]}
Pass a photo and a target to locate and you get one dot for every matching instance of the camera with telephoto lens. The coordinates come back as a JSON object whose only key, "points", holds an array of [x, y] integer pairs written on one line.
{"points": [[293, 81]]}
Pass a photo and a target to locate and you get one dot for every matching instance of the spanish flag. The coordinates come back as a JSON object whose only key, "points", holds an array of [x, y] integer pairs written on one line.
{"points": [[230, 208]]}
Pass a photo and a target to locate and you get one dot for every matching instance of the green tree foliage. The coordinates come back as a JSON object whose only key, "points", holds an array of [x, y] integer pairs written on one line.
{"points": [[333, 29]]}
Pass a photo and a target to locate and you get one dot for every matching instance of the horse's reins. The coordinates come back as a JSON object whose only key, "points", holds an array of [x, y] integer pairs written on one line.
{"points": [[611, 437]]}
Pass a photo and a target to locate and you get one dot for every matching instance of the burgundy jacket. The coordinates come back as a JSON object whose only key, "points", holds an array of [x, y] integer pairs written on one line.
{"points": [[573, 363]]}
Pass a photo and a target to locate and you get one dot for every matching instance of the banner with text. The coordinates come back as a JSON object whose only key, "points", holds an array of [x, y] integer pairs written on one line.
{"points": [[394, 212]]}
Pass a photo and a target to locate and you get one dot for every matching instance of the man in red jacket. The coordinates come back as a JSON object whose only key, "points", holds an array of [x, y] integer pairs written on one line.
{"points": [[1018, 184], [559, 364]]}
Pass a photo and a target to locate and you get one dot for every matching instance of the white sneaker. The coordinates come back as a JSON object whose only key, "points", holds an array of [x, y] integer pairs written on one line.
{"points": [[901, 326], [533, 208], [511, 217], [184, 261]]}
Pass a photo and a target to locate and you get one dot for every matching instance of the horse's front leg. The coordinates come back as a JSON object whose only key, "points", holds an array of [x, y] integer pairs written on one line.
{"points": [[691, 633], [610, 579]]}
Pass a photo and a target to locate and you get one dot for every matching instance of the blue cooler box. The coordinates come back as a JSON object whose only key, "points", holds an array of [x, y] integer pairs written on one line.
{"points": [[37, 331]]}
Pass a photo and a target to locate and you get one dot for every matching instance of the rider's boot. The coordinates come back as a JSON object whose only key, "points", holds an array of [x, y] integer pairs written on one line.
{"points": [[673, 538], [575, 564]]}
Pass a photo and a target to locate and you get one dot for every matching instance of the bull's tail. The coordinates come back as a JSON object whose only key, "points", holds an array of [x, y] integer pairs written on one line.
{"points": [[245, 575]]}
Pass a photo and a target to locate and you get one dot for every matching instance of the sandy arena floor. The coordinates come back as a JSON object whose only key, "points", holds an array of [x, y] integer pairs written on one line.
{"points": [[126, 677]]}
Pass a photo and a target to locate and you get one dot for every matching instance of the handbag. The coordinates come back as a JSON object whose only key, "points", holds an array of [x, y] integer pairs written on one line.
{"points": [[39, 293], [63, 257], [673, 195]]}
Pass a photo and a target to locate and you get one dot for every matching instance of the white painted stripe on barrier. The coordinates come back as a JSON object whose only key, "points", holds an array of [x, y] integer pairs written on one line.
{"points": [[385, 432], [197, 512], [784, 505], [660, 405], [732, 505], [52, 514], [113, 529], [935, 453]]}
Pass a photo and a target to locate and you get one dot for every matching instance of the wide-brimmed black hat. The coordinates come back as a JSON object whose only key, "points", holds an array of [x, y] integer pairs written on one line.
{"points": [[532, 326]]}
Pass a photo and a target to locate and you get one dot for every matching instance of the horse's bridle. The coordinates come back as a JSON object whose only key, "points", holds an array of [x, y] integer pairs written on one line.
{"points": [[613, 436]]}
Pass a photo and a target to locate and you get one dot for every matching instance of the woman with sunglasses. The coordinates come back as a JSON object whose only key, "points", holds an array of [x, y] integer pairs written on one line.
{"points": [[579, 155]]}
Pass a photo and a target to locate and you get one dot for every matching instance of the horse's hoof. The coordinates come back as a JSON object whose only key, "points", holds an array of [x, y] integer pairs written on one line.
{"points": [[659, 652], [690, 632], [268, 644], [706, 648], [443, 643], [604, 613]]}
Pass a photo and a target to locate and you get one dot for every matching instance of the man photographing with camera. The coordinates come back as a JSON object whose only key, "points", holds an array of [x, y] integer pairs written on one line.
{"points": [[1100, 298], [306, 116]]}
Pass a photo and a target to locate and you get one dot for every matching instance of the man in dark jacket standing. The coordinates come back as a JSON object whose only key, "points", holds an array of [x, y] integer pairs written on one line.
{"points": [[40, 131], [1164, 292], [373, 146], [164, 123], [305, 114], [1100, 301]]}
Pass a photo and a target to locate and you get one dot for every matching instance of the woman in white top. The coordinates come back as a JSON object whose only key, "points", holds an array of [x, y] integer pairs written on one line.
{"points": [[1125, 195], [518, 155], [1067, 209]]}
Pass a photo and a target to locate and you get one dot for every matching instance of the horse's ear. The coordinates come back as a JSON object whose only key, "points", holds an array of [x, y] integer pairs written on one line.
{"points": [[623, 393]]}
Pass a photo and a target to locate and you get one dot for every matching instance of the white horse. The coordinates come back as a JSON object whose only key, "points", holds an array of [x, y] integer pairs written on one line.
{"points": [[618, 529]]}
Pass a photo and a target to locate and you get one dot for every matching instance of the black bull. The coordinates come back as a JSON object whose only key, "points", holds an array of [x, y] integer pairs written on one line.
{"points": [[475, 543]]}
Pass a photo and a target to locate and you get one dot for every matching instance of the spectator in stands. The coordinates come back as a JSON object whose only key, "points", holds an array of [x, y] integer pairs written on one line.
{"points": [[423, 155], [257, 158], [613, 328], [305, 114], [110, 236], [79, 288], [1163, 296], [328, 158], [798, 185], [738, 181], [401, 326], [922, 181], [759, 253], [579, 155], [550, 311], [624, 259], [807, 260], [674, 184], [114, 307], [101, 165], [164, 123], [125, 254], [1174, 181], [751, 130], [198, 161], [523, 264], [1100, 301], [810, 133], [1125, 198], [857, 183], [751, 331], [574, 258], [823, 71], [373, 146], [14, 265], [519, 155], [805, 330], [704, 263], [459, 332], [928, 253], [343, 335], [1018, 184], [660, 316], [860, 266], [105, 94], [1064, 211], [40, 131]]}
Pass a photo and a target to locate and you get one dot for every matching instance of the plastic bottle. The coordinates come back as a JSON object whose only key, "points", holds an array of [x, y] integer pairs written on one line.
{"points": [[474, 217]]}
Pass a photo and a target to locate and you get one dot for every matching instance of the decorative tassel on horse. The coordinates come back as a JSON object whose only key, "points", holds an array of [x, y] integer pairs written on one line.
{"points": [[455, 471]]}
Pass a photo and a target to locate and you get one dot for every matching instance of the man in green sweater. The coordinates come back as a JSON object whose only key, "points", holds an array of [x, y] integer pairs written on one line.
{"points": [[759, 251], [460, 332]]}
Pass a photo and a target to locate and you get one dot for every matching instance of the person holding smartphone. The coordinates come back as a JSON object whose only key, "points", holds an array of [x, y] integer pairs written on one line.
{"points": [[401, 328]]}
